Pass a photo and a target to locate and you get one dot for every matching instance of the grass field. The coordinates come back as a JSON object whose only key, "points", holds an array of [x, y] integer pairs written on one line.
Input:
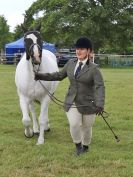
{"points": [[21, 157]]}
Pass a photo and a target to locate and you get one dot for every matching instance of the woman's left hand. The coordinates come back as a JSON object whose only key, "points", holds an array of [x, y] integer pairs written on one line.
{"points": [[99, 110]]}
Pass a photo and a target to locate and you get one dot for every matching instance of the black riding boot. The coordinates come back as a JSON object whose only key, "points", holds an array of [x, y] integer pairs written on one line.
{"points": [[78, 148]]}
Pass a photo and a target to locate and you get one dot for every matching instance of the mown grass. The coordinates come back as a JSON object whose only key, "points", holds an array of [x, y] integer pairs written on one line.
{"points": [[21, 157]]}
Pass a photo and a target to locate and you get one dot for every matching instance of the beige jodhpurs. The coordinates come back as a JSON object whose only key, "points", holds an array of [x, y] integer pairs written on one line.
{"points": [[80, 126]]}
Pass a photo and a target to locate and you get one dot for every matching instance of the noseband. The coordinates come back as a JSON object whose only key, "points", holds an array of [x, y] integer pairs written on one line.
{"points": [[31, 47]]}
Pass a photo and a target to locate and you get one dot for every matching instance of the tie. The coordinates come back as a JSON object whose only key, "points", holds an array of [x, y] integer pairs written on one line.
{"points": [[78, 69]]}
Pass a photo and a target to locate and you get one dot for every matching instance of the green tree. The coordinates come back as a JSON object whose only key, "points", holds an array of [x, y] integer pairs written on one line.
{"points": [[17, 32], [122, 28], [5, 35], [106, 22]]}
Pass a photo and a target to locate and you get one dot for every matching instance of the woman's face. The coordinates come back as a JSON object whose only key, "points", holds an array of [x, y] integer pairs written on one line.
{"points": [[82, 53]]}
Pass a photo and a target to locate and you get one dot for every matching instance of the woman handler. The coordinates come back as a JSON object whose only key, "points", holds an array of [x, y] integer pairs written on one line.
{"points": [[86, 93]]}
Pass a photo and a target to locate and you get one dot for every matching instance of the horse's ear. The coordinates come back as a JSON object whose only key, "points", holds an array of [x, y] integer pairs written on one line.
{"points": [[23, 28], [38, 27]]}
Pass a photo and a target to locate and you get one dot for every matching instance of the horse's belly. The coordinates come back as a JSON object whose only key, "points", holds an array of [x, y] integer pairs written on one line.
{"points": [[36, 91]]}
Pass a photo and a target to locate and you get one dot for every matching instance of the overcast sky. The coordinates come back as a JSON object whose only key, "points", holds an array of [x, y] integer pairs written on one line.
{"points": [[13, 11]]}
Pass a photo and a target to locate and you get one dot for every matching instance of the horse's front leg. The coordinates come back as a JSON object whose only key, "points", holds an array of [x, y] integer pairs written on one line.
{"points": [[35, 123], [43, 119], [24, 104]]}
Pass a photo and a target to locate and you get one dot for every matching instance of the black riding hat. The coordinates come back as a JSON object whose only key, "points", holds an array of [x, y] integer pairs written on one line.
{"points": [[84, 42]]}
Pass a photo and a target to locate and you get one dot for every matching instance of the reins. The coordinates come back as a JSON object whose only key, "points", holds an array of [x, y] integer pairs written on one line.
{"points": [[103, 114], [61, 103], [52, 97]]}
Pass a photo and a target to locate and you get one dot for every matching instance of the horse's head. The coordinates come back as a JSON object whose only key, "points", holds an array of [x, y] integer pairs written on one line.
{"points": [[33, 45]]}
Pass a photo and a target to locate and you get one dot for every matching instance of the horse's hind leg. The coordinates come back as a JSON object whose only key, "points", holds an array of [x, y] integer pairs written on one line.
{"points": [[35, 123], [43, 119], [24, 104]]}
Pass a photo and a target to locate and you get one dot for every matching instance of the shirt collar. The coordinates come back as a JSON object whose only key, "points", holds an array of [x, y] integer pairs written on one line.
{"points": [[84, 61]]}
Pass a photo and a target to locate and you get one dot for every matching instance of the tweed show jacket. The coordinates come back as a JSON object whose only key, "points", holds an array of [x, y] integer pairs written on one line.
{"points": [[87, 91]]}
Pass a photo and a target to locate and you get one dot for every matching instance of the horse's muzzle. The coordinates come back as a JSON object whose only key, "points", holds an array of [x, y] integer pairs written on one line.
{"points": [[36, 61]]}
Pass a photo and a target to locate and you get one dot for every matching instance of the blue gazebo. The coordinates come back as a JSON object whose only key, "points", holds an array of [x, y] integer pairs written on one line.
{"points": [[18, 46], [15, 47]]}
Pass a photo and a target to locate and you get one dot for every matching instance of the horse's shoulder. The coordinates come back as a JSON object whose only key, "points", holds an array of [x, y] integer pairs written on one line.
{"points": [[48, 55], [47, 51]]}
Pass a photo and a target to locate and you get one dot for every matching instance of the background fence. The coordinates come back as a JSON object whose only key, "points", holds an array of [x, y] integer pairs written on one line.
{"points": [[114, 60], [103, 60], [10, 59]]}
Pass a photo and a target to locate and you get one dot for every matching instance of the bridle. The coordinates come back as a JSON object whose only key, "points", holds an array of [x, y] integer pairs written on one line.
{"points": [[31, 47]]}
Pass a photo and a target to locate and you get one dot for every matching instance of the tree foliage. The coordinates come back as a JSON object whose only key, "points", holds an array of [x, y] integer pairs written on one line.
{"points": [[106, 22], [4, 32], [18, 32]]}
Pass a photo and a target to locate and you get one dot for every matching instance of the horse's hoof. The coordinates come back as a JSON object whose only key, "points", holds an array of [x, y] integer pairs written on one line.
{"points": [[29, 134], [48, 130], [40, 142]]}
